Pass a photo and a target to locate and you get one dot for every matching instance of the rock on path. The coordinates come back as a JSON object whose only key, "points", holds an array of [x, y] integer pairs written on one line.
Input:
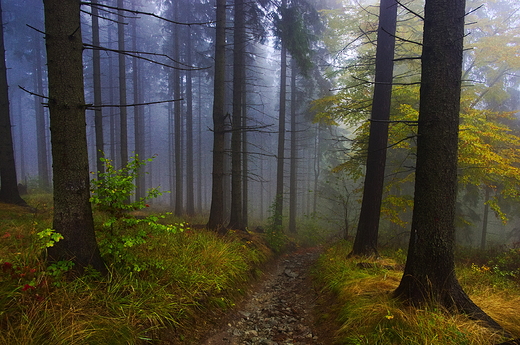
{"points": [[279, 311]]}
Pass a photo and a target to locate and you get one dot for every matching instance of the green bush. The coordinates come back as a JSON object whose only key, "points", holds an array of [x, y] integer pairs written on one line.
{"points": [[121, 231]]}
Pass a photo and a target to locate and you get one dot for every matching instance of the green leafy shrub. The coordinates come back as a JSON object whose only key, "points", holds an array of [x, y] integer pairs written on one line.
{"points": [[121, 232]]}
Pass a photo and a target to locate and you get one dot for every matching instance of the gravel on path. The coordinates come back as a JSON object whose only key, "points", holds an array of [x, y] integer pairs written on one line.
{"points": [[280, 310]]}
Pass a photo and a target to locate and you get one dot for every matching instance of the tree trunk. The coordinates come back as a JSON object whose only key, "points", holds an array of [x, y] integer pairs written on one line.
{"points": [[245, 160], [123, 117], [429, 275], [177, 124], [216, 216], [96, 70], [41, 128], [9, 188], [293, 168], [21, 131], [317, 168], [235, 220], [190, 187], [368, 226], [278, 204], [72, 209], [111, 100], [139, 138], [485, 220], [199, 146]]}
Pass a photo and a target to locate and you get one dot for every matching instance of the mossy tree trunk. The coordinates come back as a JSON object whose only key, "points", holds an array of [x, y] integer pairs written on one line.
{"points": [[429, 275], [72, 209]]}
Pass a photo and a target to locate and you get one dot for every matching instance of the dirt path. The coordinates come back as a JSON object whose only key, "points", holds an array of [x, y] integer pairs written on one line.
{"points": [[279, 310]]}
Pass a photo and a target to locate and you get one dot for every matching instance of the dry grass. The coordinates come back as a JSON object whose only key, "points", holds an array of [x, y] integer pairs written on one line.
{"points": [[369, 315]]}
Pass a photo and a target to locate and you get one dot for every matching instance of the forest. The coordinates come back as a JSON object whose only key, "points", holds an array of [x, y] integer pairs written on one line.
{"points": [[259, 172]]}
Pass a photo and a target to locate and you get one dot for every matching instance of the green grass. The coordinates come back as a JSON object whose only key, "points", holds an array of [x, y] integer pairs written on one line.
{"points": [[368, 315], [191, 276]]}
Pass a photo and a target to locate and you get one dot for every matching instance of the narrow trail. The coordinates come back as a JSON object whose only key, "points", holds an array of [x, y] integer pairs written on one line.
{"points": [[279, 310]]}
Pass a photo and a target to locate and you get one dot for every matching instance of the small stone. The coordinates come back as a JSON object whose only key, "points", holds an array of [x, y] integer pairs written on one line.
{"points": [[290, 273], [245, 314], [251, 333]]}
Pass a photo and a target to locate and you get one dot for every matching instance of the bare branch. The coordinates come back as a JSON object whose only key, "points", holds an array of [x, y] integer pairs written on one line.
{"points": [[408, 58], [136, 55], [145, 13], [409, 10], [32, 93], [105, 18], [473, 10], [373, 82], [402, 39], [93, 107], [407, 122], [37, 30]]}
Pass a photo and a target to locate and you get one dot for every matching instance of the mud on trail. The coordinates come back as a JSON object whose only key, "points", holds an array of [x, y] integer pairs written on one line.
{"points": [[279, 310]]}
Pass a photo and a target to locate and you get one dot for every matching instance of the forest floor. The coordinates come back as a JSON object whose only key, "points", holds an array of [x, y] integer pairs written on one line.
{"points": [[280, 309]]}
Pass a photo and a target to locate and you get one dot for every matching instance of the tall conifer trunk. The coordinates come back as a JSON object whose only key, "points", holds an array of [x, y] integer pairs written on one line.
{"points": [[236, 215], [72, 208], [96, 71], [190, 187], [9, 184], [123, 117], [280, 157], [293, 167], [368, 226], [429, 275], [216, 216]]}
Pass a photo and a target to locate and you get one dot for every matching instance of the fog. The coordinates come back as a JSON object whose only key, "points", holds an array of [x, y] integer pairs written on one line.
{"points": [[329, 101]]}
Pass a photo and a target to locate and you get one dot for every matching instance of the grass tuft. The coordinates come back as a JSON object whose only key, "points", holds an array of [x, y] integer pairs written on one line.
{"points": [[369, 315]]}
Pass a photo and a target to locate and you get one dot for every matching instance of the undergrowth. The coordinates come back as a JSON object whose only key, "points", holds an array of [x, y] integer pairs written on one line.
{"points": [[367, 314], [164, 277], [199, 271]]}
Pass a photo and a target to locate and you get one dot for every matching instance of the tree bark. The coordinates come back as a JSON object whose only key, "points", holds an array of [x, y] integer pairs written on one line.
{"points": [[190, 190], [280, 157], [216, 216], [96, 70], [72, 209], [41, 128], [123, 117], [429, 275], [139, 125], [293, 161], [245, 156], [236, 215], [9, 188], [365, 242], [483, 237], [177, 124]]}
